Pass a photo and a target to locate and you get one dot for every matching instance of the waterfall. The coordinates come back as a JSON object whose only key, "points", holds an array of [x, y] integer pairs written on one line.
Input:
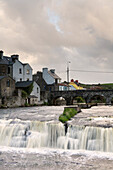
{"points": [[87, 138], [35, 134]]}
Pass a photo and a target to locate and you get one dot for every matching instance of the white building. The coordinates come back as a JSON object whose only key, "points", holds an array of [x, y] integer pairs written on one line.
{"points": [[50, 76], [21, 72], [25, 84], [27, 72], [36, 90]]}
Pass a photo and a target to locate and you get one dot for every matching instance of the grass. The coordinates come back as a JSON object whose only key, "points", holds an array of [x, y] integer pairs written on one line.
{"points": [[67, 114], [105, 86]]}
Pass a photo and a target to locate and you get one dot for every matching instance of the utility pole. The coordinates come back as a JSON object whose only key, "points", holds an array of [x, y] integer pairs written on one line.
{"points": [[68, 73]]}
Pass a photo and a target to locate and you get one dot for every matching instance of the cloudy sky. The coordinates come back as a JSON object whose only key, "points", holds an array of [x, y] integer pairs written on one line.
{"points": [[49, 33]]}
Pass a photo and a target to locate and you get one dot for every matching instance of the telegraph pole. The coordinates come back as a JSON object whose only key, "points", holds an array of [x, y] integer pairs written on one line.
{"points": [[68, 73]]}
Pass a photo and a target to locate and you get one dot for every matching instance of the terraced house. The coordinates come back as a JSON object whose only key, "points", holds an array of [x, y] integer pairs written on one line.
{"points": [[13, 70]]}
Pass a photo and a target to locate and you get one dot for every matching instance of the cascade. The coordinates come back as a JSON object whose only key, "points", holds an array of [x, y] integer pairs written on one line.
{"points": [[36, 134]]}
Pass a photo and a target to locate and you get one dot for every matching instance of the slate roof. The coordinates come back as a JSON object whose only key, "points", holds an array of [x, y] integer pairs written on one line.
{"points": [[54, 75], [33, 96], [1, 77], [4, 61], [40, 81], [62, 84], [23, 84], [8, 61]]}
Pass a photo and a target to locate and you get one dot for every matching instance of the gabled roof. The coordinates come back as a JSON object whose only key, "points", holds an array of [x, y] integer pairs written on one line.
{"points": [[54, 75], [23, 84], [8, 61], [7, 76], [24, 64]]}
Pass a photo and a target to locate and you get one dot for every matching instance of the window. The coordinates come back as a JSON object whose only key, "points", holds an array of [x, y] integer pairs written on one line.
{"points": [[3, 69], [28, 72], [56, 81], [8, 83], [9, 70], [20, 71], [27, 79], [37, 90], [20, 79]]}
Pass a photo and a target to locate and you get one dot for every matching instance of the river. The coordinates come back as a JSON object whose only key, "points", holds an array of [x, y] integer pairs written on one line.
{"points": [[33, 138]]}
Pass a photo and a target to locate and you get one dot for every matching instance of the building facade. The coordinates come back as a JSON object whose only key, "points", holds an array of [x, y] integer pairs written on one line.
{"points": [[13, 67], [7, 86], [50, 76]]}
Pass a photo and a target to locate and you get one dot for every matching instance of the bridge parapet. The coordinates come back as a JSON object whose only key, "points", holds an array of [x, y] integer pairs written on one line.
{"points": [[86, 94]]}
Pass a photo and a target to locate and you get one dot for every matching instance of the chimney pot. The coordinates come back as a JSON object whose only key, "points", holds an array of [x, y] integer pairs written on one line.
{"points": [[1, 54]]}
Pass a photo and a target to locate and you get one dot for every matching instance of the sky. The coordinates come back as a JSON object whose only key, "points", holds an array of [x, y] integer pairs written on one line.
{"points": [[52, 33]]}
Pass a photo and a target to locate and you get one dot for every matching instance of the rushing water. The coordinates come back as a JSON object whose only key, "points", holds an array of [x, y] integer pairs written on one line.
{"points": [[38, 128], [35, 134]]}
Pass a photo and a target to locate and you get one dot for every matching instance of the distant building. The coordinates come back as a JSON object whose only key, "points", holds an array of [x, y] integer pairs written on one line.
{"points": [[25, 84], [75, 85], [4, 65], [64, 87], [38, 78], [16, 69], [50, 76]]}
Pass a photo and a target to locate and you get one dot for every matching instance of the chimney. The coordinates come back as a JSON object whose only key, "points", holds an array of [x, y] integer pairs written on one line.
{"points": [[45, 70], [15, 57], [1, 54], [52, 71]]}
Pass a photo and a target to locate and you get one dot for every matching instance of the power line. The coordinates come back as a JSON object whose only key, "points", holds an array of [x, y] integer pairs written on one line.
{"points": [[92, 71], [87, 71]]}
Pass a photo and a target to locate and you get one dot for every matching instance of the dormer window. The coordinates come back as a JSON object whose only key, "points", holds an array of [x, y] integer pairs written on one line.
{"points": [[20, 71]]}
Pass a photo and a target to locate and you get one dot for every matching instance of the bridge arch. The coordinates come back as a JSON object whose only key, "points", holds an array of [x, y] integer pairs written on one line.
{"points": [[97, 98], [59, 100], [78, 99], [110, 99]]}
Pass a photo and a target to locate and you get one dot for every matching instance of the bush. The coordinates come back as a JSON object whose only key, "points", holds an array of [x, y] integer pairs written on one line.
{"points": [[67, 114], [27, 105], [63, 118]]}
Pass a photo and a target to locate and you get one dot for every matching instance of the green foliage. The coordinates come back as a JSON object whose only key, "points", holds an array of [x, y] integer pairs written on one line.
{"points": [[24, 94], [67, 114], [63, 118], [27, 105], [106, 86], [46, 104], [29, 89], [80, 100]]}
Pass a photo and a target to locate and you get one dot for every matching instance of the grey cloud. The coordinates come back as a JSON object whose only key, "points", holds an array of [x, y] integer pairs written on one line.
{"points": [[86, 37]]}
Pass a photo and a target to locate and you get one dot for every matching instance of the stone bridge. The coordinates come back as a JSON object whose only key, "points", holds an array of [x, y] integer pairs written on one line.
{"points": [[87, 95]]}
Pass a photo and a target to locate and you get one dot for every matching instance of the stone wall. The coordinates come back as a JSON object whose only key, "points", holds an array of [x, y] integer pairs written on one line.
{"points": [[15, 101], [12, 101], [7, 86]]}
